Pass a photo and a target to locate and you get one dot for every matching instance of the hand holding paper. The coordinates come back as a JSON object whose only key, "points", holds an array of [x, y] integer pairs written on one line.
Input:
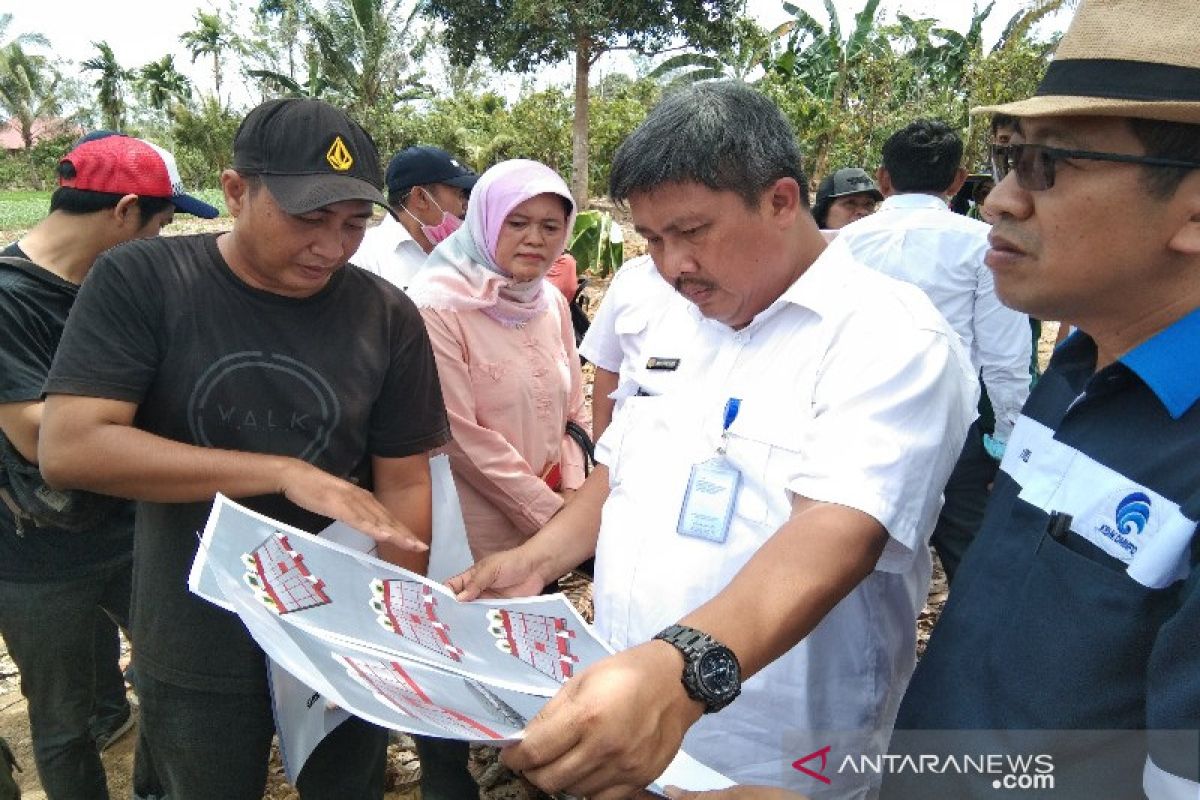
{"points": [[611, 730], [512, 573]]}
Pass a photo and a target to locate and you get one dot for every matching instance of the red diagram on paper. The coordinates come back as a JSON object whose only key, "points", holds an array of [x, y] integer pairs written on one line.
{"points": [[542, 642], [280, 579], [395, 687], [409, 610]]}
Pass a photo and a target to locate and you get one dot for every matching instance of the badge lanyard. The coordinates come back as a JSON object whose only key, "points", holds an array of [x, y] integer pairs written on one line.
{"points": [[712, 490]]}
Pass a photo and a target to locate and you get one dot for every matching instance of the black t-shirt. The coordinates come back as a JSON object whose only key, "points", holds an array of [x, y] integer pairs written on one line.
{"points": [[34, 304], [333, 379]]}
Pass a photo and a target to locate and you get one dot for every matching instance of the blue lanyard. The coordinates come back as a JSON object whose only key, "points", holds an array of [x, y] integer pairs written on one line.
{"points": [[732, 406]]}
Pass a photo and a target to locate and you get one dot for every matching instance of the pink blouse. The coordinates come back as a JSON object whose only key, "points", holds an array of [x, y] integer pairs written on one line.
{"points": [[509, 393]]}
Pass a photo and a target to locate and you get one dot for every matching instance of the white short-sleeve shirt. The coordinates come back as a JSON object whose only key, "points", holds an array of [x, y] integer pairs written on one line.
{"points": [[853, 391], [389, 251], [634, 299]]}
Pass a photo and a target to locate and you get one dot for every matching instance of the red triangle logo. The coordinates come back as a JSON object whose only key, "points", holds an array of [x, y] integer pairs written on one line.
{"points": [[822, 754]]}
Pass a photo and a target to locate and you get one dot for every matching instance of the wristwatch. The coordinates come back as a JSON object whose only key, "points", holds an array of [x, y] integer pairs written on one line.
{"points": [[711, 672]]}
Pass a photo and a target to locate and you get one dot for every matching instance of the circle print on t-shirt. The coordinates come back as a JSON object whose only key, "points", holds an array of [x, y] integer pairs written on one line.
{"points": [[264, 403]]}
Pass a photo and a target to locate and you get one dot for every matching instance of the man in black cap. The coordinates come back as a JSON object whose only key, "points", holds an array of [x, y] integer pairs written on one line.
{"points": [[257, 364], [427, 192], [847, 195]]}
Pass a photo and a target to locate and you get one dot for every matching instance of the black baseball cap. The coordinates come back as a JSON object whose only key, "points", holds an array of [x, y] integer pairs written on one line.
{"points": [[849, 180], [309, 154], [422, 165]]}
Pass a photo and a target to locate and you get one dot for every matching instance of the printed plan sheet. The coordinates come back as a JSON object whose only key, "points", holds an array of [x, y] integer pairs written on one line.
{"points": [[347, 632]]}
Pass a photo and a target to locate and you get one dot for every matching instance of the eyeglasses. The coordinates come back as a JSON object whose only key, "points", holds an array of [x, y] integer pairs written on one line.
{"points": [[1035, 163]]}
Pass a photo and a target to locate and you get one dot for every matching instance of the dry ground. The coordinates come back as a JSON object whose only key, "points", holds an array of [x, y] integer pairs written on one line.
{"points": [[403, 768]]}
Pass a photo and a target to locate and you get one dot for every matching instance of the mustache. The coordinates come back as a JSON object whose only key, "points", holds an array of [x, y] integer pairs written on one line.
{"points": [[682, 283]]}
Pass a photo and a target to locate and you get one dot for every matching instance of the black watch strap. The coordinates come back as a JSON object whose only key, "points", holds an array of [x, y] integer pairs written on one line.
{"points": [[688, 641], [696, 647]]}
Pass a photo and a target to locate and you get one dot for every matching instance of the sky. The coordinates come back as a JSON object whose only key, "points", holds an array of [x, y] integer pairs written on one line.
{"points": [[143, 30]]}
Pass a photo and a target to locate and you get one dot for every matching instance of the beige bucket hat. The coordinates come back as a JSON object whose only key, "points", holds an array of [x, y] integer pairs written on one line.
{"points": [[1122, 58]]}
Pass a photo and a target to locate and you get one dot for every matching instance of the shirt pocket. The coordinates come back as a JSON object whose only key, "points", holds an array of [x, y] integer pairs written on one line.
{"points": [[492, 386], [765, 445], [1077, 602]]}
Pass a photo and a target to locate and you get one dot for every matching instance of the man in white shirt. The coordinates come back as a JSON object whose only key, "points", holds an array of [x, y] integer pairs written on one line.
{"points": [[914, 237], [634, 299], [427, 192], [769, 484]]}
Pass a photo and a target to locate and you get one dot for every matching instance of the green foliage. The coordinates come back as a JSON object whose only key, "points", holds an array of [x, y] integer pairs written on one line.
{"points": [[211, 37], [615, 110], [35, 168], [164, 87], [597, 244], [521, 34], [20, 210], [845, 84], [203, 142], [29, 87], [358, 54], [845, 99], [747, 51], [110, 85]]}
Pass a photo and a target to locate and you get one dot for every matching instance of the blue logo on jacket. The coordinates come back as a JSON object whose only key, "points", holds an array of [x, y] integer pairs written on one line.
{"points": [[1133, 513]]}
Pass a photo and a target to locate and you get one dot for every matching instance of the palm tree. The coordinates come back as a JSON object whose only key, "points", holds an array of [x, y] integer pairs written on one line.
{"points": [[361, 44], [21, 38], [211, 37], [289, 15], [110, 86], [29, 86], [164, 84]]}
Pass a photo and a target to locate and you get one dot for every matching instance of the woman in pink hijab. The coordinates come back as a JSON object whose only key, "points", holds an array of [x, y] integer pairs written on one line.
{"points": [[506, 355]]}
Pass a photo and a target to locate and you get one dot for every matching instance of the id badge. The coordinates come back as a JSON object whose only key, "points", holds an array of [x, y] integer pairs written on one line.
{"points": [[708, 502]]}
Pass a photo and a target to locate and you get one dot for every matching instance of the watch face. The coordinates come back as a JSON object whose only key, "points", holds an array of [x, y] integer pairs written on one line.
{"points": [[718, 673]]}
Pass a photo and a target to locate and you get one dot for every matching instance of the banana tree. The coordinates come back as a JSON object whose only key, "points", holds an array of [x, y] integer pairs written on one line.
{"points": [[749, 50], [597, 244]]}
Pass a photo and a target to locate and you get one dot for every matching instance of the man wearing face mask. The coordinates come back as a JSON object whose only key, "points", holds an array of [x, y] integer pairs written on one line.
{"points": [[427, 192]]}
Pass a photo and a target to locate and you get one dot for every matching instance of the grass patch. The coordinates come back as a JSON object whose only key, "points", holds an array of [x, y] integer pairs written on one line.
{"points": [[21, 209]]}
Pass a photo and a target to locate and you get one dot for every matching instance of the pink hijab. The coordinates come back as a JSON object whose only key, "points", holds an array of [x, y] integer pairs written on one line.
{"points": [[461, 273]]}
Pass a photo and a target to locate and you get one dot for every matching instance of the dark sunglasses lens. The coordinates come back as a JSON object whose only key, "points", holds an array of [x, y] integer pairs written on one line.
{"points": [[1001, 162], [1033, 165]]}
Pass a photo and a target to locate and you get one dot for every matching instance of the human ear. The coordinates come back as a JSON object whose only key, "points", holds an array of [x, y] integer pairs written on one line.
{"points": [[960, 177], [235, 188], [126, 212], [884, 179], [784, 197]]}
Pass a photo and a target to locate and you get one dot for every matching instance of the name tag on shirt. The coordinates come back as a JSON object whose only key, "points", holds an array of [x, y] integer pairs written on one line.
{"points": [[708, 502], [658, 362]]}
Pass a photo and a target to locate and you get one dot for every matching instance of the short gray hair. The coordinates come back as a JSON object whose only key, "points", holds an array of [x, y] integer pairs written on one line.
{"points": [[723, 135]]}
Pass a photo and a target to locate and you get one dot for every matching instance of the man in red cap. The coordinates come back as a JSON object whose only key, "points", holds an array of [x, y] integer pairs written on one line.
{"points": [[254, 363], [56, 573]]}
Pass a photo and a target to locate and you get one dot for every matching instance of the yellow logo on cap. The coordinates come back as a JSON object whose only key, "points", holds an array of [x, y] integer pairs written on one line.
{"points": [[338, 155]]}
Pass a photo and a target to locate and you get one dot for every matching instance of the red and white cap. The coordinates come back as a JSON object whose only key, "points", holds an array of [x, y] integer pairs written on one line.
{"points": [[120, 164]]}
